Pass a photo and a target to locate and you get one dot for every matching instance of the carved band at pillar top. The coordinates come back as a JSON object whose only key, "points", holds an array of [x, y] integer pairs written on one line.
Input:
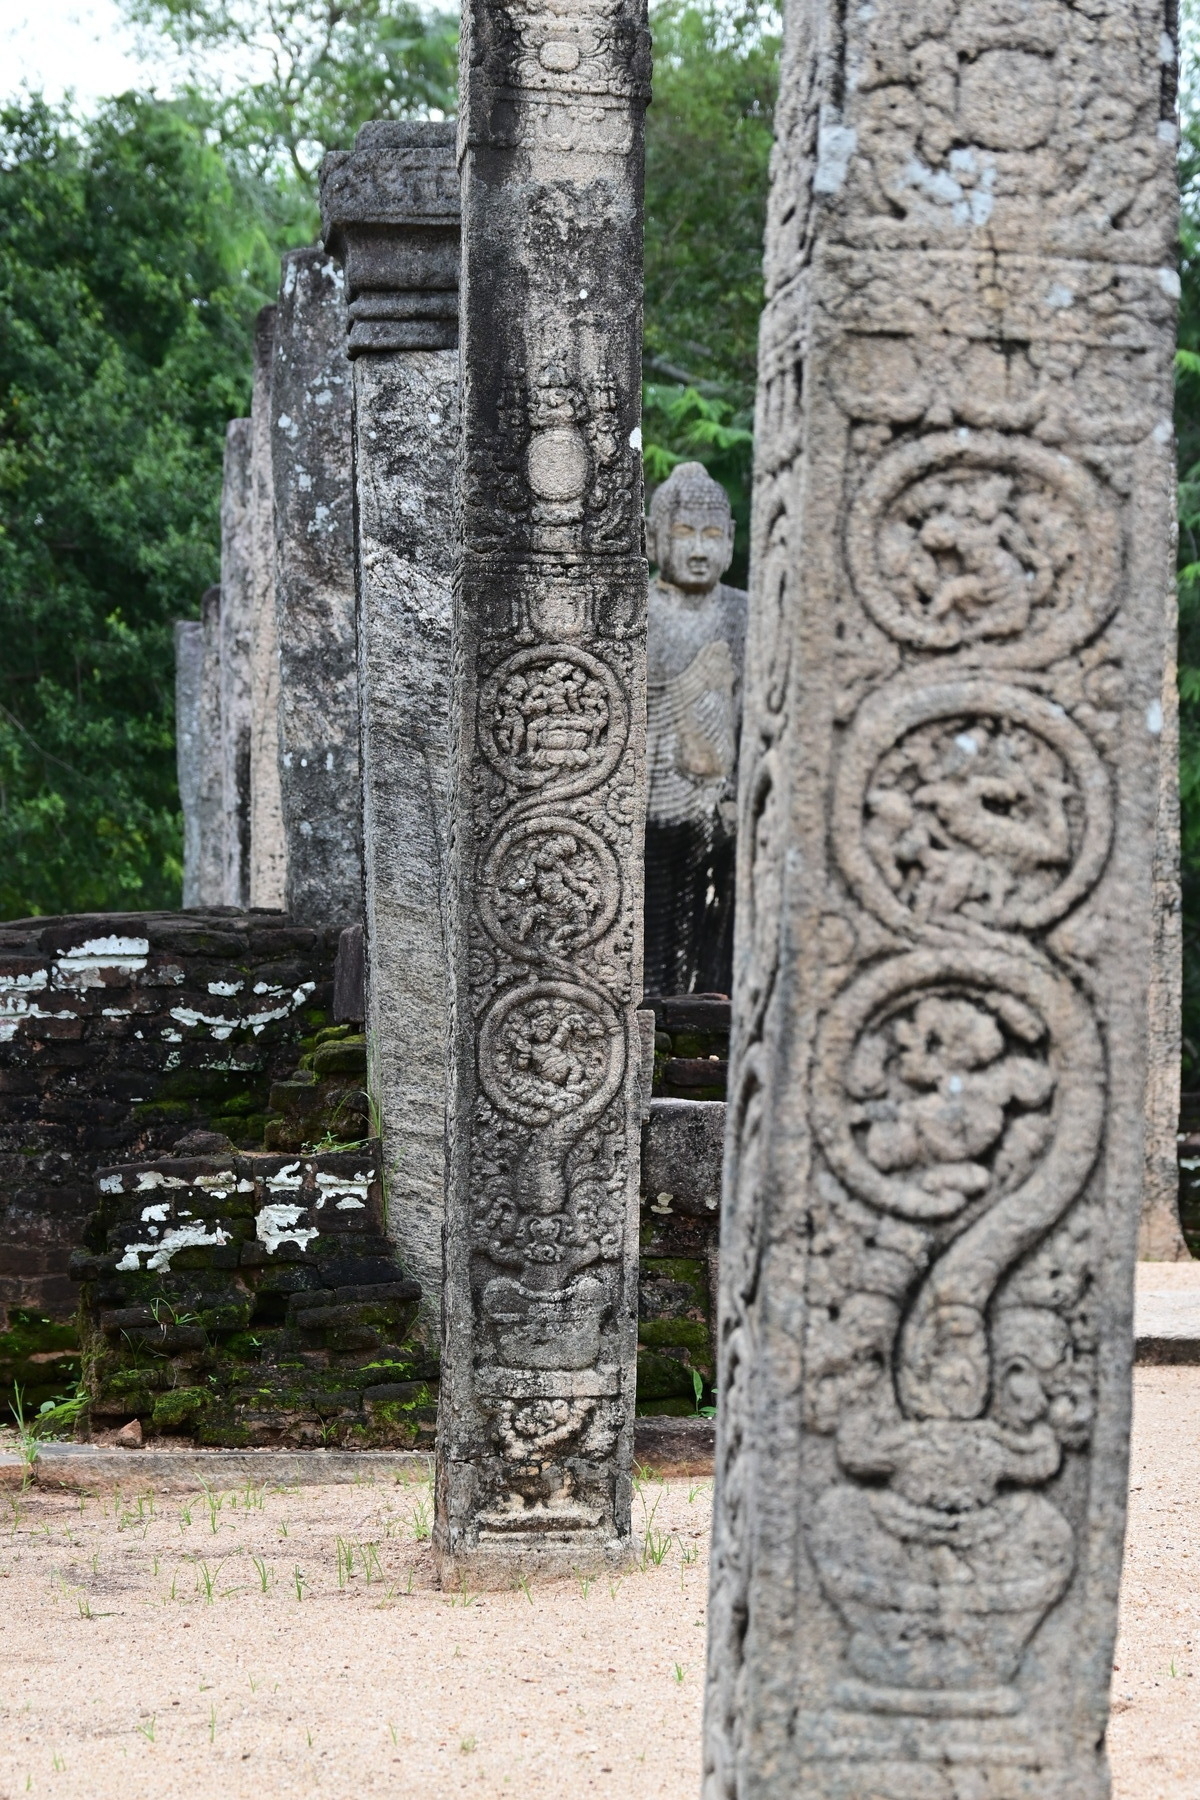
{"points": [[535, 1428], [694, 651], [963, 529]]}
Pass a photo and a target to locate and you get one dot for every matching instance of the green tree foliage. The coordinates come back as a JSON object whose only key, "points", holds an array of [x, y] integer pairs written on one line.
{"points": [[708, 147], [320, 68], [131, 267]]}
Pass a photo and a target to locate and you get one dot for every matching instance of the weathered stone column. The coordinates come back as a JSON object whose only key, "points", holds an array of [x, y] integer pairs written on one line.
{"points": [[189, 673], [268, 857], [198, 752], [536, 1418], [390, 212], [962, 548], [237, 628], [314, 595]]}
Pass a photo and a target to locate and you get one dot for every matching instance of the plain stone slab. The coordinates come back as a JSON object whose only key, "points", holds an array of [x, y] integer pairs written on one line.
{"points": [[189, 675], [665, 1445], [1166, 1315], [390, 215], [268, 850], [99, 1466], [683, 1142], [237, 634], [319, 762]]}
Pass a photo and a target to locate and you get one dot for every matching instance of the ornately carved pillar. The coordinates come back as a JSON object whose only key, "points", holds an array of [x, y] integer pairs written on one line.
{"points": [[535, 1434], [962, 548]]}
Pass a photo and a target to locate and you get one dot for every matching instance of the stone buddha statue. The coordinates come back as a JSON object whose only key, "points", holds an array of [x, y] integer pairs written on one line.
{"points": [[697, 632]]}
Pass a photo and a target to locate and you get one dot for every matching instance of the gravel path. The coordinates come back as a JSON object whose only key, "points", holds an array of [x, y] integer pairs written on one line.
{"points": [[326, 1663]]}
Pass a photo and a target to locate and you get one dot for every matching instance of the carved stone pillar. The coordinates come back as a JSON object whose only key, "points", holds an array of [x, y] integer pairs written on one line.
{"points": [[536, 1418], [319, 768], [962, 546], [390, 212], [237, 627], [268, 854]]}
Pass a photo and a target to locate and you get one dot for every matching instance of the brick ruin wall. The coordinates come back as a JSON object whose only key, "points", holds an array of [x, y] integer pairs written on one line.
{"points": [[121, 1034]]}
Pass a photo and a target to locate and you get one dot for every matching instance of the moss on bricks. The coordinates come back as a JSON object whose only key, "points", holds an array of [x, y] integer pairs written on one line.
{"points": [[41, 1355], [180, 1407]]}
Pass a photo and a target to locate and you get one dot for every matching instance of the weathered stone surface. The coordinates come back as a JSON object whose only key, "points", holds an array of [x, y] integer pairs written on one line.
{"points": [[189, 676], [237, 634], [268, 851], [682, 1143], [205, 880], [249, 1300], [950, 762], [535, 1428], [118, 1033], [314, 594], [1160, 1238], [694, 649], [390, 212]]}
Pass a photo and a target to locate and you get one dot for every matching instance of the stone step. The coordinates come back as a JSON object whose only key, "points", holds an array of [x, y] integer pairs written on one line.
{"points": [[1166, 1317]]}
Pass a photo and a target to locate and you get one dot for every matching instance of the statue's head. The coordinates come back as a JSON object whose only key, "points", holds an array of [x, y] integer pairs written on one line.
{"points": [[689, 533]]}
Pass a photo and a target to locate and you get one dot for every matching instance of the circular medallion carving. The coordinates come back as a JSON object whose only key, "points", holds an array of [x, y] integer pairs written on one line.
{"points": [[960, 1077], [551, 1051], [549, 886], [972, 538], [557, 460], [970, 799], [553, 719]]}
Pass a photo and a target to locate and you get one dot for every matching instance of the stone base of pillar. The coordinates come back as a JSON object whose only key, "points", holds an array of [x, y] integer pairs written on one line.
{"points": [[533, 1556]]}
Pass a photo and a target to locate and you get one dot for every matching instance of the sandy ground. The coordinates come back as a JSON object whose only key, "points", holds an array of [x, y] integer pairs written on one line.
{"points": [[278, 1643]]}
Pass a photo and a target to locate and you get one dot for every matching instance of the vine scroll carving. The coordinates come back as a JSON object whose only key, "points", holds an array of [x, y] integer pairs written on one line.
{"points": [[535, 1434], [960, 581]]}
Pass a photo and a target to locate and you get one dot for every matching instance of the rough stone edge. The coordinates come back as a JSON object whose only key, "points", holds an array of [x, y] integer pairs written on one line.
{"points": [[94, 1466], [666, 1446], [1162, 1349]]}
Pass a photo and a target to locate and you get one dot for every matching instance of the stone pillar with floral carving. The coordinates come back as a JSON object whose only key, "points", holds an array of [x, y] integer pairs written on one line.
{"points": [[540, 1312], [949, 769]]}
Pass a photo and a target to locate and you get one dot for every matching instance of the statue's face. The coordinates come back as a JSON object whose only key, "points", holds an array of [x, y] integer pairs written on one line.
{"points": [[696, 548]]}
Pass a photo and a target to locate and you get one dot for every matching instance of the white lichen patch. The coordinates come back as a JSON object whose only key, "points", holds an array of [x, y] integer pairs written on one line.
{"points": [[85, 965], [180, 1237], [225, 989], [279, 1223], [287, 1177], [154, 1178], [112, 1184], [156, 1213], [346, 1190], [221, 1028], [32, 983]]}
